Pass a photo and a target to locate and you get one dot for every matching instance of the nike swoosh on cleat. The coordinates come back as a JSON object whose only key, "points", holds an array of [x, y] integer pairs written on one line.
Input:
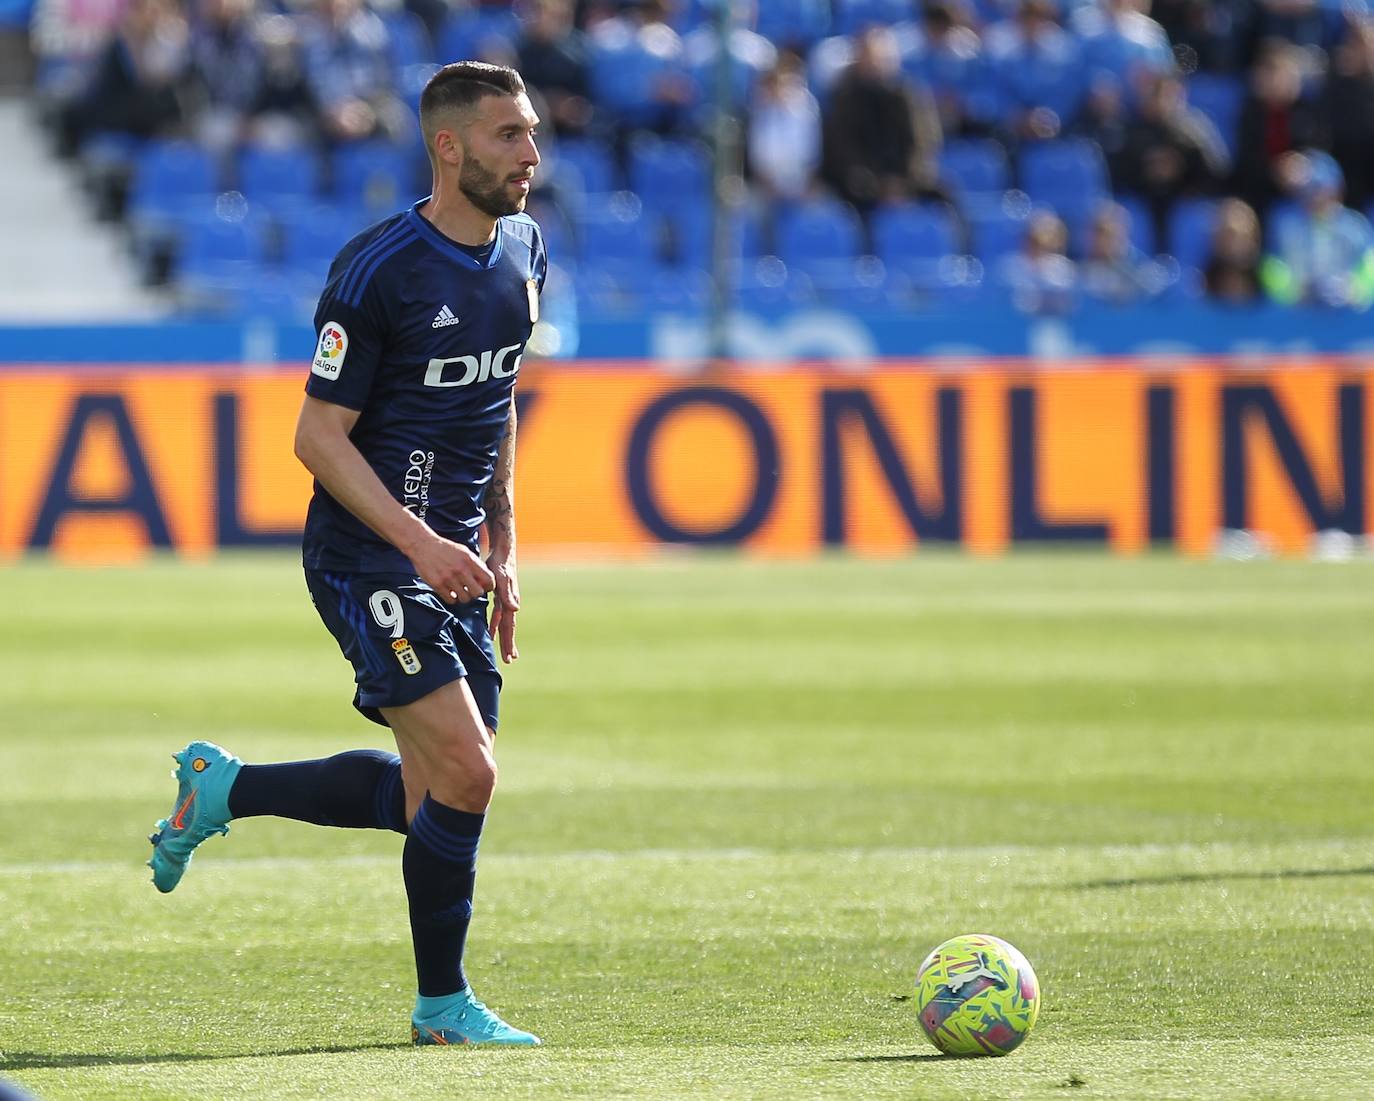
{"points": [[178, 821], [437, 1037]]}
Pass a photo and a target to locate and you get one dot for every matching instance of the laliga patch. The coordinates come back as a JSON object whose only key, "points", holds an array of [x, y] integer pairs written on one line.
{"points": [[406, 655], [532, 293], [330, 351]]}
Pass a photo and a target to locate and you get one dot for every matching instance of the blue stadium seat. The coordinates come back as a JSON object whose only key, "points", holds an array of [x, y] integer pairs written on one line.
{"points": [[312, 242], [911, 234], [1192, 223], [690, 228], [613, 234], [376, 176], [853, 15], [467, 33], [211, 245], [169, 177], [273, 177], [794, 22], [582, 166], [815, 233], [407, 40], [665, 174], [974, 166], [768, 282], [1140, 224], [1220, 98], [999, 231], [1064, 173]]}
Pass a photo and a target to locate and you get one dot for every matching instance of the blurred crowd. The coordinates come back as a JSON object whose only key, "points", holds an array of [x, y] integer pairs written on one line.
{"points": [[1262, 111]]}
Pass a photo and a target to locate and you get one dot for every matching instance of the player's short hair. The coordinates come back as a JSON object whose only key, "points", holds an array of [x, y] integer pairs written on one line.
{"points": [[462, 84]]}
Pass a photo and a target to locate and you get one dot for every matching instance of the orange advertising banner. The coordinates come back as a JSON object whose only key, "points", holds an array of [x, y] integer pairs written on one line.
{"points": [[105, 464]]}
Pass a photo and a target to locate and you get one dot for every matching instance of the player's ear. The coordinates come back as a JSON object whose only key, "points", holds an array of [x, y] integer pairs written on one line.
{"points": [[447, 148]]}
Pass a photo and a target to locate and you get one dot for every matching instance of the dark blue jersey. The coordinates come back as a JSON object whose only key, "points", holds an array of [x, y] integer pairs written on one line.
{"points": [[424, 339]]}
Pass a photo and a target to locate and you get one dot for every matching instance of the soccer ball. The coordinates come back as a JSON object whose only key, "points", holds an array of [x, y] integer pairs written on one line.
{"points": [[977, 995]]}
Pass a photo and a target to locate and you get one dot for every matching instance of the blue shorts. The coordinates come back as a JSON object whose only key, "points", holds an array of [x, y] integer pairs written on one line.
{"points": [[403, 641]]}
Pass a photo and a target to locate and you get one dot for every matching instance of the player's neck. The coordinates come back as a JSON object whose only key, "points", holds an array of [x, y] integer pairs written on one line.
{"points": [[457, 219]]}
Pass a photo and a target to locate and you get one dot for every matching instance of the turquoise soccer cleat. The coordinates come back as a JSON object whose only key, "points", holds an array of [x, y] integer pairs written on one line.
{"points": [[465, 1020], [206, 773]]}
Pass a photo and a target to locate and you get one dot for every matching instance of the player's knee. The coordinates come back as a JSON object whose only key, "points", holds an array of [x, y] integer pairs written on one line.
{"points": [[466, 780]]}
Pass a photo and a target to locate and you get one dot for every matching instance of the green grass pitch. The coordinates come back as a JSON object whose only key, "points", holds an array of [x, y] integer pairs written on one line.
{"points": [[739, 803]]}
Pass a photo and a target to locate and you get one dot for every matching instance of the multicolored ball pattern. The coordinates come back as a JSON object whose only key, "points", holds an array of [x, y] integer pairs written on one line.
{"points": [[977, 995]]}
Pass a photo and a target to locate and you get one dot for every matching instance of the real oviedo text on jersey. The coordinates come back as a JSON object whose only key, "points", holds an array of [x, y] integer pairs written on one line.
{"points": [[488, 365]]}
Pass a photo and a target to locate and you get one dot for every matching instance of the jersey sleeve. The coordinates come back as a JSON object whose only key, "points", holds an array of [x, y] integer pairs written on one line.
{"points": [[350, 337], [540, 260]]}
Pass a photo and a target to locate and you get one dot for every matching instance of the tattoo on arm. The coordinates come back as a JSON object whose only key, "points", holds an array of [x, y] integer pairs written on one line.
{"points": [[500, 497]]}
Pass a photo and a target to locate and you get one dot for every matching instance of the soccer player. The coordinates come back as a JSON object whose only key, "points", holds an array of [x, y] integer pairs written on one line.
{"points": [[408, 426]]}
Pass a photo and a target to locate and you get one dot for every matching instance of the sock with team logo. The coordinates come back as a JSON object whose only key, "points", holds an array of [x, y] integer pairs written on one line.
{"points": [[439, 865], [360, 789]]}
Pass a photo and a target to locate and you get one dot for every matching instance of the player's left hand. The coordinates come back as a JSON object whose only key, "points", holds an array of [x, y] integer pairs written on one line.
{"points": [[505, 602]]}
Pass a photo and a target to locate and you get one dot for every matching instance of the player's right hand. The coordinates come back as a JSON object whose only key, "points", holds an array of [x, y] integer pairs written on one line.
{"points": [[452, 570]]}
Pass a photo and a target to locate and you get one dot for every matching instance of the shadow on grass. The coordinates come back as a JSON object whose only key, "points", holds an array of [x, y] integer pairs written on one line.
{"points": [[1218, 877], [915, 1057], [42, 1060]]}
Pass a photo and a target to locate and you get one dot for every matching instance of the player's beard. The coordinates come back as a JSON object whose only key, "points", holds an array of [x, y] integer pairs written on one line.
{"points": [[486, 191]]}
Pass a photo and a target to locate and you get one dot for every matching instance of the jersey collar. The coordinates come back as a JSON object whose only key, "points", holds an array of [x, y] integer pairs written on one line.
{"points": [[449, 247]]}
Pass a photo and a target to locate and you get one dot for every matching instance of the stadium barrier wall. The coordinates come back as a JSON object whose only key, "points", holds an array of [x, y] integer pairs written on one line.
{"points": [[106, 463]]}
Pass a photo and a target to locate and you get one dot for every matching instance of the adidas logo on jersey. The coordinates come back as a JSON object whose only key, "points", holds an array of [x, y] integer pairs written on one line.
{"points": [[444, 317]]}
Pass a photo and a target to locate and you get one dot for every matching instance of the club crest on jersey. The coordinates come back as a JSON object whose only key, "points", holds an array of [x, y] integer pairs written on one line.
{"points": [[330, 351], [406, 655], [488, 365]]}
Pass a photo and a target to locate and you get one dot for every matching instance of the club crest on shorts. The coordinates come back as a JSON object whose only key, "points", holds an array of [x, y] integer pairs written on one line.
{"points": [[330, 351], [406, 655]]}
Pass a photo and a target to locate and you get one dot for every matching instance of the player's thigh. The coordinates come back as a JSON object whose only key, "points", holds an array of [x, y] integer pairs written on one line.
{"points": [[445, 747]]}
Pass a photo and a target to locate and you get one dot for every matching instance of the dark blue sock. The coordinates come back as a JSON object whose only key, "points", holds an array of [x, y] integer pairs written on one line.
{"points": [[439, 865], [360, 789]]}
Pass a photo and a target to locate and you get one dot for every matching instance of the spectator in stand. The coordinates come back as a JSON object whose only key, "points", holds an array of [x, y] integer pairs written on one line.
{"points": [[1324, 251], [1041, 277], [72, 31], [350, 73], [284, 110], [1038, 71], [1275, 120], [1114, 270], [1208, 35], [880, 135], [751, 55], [139, 86], [1121, 40], [783, 147], [228, 59], [552, 55], [636, 69], [1350, 107], [1170, 151], [1232, 275], [948, 59]]}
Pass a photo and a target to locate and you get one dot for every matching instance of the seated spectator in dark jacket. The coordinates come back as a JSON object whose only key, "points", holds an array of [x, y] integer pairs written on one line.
{"points": [[228, 61], [552, 56], [1275, 119], [881, 135], [284, 110], [1171, 151], [1350, 106], [140, 79], [1232, 274]]}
